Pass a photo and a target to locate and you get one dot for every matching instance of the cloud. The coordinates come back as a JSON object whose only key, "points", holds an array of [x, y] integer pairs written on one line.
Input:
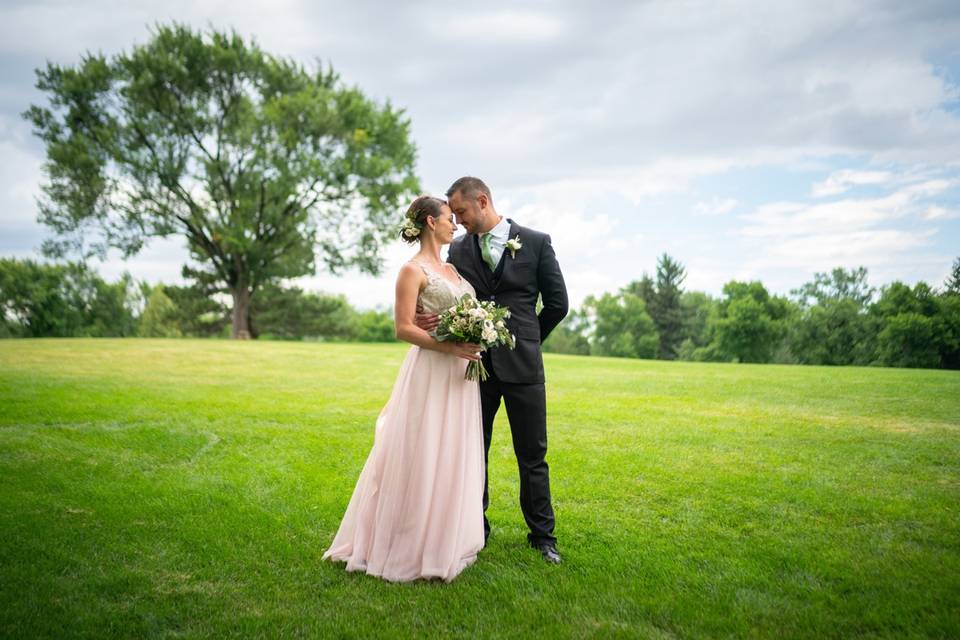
{"points": [[880, 233], [715, 207], [584, 282], [572, 233], [781, 220], [20, 177], [936, 212], [825, 250], [497, 25], [364, 290], [574, 89], [840, 181], [634, 184], [586, 122]]}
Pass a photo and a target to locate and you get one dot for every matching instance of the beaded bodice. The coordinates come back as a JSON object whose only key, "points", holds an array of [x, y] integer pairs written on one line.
{"points": [[440, 293]]}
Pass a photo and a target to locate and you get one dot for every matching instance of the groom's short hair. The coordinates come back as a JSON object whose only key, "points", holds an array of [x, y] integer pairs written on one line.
{"points": [[470, 187]]}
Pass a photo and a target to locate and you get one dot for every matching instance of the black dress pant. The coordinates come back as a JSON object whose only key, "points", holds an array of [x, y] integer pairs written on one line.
{"points": [[527, 411]]}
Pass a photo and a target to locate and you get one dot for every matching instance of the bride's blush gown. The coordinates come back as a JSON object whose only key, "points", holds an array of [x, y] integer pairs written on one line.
{"points": [[417, 508]]}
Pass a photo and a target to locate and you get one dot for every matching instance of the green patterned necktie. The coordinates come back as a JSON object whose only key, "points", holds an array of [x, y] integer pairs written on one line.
{"points": [[485, 251]]}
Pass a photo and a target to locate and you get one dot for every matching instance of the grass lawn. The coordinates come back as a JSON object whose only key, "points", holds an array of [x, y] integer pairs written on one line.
{"points": [[187, 488]]}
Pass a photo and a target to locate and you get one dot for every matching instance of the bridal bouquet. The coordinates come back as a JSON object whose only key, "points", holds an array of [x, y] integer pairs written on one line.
{"points": [[478, 322]]}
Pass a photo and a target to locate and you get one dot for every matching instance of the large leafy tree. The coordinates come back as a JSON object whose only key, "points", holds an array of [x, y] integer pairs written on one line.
{"points": [[265, 168]]}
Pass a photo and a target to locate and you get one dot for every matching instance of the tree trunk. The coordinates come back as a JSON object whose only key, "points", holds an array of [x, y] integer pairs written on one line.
{"points": [[252, 328], [241, 313]]}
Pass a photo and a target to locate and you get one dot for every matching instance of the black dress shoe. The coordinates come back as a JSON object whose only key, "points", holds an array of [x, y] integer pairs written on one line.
{"points": [[549, 552]]}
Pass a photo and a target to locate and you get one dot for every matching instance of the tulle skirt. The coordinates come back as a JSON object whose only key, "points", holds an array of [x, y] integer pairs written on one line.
{"points": [[417, 508]]}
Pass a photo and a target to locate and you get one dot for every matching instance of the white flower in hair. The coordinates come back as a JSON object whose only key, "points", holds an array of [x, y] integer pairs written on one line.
{"points": [[410, 228]]}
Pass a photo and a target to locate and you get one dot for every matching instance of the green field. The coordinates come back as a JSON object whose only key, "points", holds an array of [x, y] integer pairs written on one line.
{"points": [[187, 488]]}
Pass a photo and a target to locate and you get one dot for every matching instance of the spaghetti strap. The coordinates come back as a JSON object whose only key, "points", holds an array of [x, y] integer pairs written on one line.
{"points": [[432, 273], [422, 266]]}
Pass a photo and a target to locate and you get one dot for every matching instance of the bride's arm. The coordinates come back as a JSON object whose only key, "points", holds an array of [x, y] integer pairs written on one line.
{"points": [[409, 282]]}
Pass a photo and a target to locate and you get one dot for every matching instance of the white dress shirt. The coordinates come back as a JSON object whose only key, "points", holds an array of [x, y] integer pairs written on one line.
{"points": [[498, 239]]}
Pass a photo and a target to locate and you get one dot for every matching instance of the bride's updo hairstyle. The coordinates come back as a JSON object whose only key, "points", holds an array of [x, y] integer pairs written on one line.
{"points": [[416, 218]]}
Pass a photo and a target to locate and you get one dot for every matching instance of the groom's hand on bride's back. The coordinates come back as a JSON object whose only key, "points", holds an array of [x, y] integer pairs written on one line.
{"points": [[465, 350], [426, 321]]}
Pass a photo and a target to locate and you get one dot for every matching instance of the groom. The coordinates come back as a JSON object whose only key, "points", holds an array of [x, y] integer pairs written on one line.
{"points": [[512, 265]]}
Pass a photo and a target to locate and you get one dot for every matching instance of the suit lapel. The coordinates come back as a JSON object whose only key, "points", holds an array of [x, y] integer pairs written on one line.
{"points": [[477, 259], [505, 258]]}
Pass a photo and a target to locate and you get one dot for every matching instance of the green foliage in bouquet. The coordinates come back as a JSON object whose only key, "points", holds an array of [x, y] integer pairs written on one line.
{"points": [[477, 322]]}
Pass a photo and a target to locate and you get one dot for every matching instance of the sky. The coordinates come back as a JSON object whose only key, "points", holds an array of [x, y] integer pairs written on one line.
{"points": [[748, 140]]}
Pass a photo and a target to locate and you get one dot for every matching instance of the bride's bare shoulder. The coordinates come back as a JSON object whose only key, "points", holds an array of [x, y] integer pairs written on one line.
{"points": [[410, 267], [411, 271]]}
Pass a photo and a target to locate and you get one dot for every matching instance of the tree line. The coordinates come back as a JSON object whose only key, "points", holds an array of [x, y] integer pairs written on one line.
{"points": [[72, 300], [835, 319]]}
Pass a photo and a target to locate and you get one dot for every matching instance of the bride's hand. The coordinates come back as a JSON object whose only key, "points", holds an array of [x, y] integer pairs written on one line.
{"points": [[465, 350]]}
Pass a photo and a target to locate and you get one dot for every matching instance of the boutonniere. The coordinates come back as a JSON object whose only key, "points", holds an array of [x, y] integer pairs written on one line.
{"points": [[514, 245]]}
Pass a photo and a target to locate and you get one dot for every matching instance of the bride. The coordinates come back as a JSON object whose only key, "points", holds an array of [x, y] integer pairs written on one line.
{"points": [[417, 509]]}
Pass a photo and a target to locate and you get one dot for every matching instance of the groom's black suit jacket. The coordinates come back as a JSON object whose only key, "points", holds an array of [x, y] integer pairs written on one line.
{"points": [[515, 284]]}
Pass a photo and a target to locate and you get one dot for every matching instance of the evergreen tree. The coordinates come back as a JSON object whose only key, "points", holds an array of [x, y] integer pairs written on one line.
{"points": [[667, 311], [952, 284]]}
